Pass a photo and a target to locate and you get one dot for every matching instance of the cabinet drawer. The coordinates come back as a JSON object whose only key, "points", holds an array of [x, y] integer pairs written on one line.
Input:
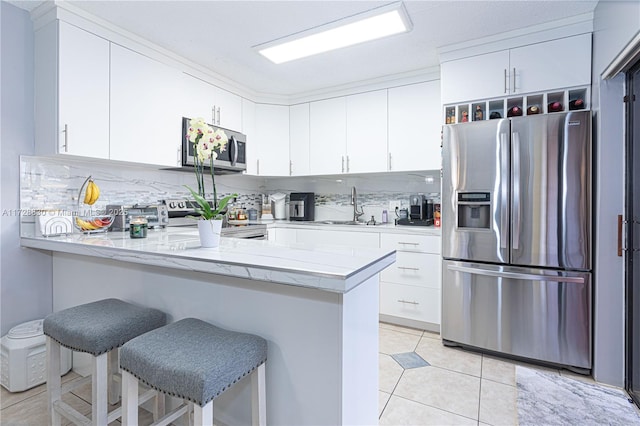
{"points": [[419, 269], [408, 242], [410, 302]]}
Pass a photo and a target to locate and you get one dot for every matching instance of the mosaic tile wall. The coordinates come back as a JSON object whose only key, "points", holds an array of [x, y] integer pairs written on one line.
{"points": [[54, 183]]}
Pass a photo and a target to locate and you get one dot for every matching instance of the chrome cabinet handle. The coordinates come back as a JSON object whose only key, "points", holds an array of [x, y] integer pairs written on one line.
{"points": [[179, 156], [506, 80], [258, 166], [213, 115], [389, 161], [409, 244], [406, 301], [343, 164], [347, 164], [66, 138], [408, 268], [290, 168], [514, 80], [218, 116]]}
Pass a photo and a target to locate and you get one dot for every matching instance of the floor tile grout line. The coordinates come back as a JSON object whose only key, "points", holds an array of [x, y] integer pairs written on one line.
{"points": [[480, 387], [437, 408]]}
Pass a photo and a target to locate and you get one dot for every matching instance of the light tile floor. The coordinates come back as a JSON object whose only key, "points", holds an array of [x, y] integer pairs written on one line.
{"points": [[457, 388]]}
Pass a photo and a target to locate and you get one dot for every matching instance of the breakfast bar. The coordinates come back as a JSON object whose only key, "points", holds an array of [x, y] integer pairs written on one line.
{"points": [[317, 307]]}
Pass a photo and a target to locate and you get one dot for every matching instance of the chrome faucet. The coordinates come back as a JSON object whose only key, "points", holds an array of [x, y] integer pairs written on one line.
{"points": [[354, 203]]}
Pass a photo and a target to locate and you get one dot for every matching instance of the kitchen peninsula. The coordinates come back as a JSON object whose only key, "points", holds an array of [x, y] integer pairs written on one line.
{"points": [[317, 306]]}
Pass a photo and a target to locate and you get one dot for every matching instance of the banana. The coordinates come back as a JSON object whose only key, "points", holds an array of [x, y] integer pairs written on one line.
{"points": [[88, 193], [92, 193], [95, 194]]}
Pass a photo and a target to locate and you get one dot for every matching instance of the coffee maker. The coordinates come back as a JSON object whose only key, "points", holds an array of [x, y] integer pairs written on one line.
{"points": [[420, 211], [302, 206]]}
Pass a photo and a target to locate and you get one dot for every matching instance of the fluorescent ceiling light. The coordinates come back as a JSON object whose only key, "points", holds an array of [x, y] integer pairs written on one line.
{"points": [[372, 25]]}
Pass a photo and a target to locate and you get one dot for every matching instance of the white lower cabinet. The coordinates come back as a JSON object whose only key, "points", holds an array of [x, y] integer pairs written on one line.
{"points": [[341, 238], [410, 288], [410, 302]]}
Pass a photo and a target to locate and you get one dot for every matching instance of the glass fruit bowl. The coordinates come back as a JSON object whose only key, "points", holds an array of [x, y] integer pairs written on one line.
{"points": [[95, 223]]}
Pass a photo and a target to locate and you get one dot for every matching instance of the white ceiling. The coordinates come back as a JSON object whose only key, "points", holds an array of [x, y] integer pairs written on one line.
{"points": [[220, 35]]}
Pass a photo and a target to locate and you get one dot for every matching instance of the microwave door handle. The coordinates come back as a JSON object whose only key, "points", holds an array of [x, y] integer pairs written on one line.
{"points": [[233, 157]]}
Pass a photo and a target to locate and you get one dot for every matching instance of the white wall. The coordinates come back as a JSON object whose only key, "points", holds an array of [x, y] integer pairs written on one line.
{"points": [[615, 23], [25, 274]]}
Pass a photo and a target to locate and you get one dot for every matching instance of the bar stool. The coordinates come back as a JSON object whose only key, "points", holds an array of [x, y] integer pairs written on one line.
{"points": [[195, 361], [97, 328]]}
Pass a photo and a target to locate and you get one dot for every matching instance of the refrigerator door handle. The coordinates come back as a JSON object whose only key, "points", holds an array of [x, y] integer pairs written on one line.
{"points": [[516, 275], [515, 178], [504, 191]]}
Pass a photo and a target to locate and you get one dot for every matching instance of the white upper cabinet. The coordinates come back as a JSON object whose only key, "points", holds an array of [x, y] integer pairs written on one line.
{"points": [[215, 105], [71, 91], [414, 127], [146, 124], [477, 77], [366, 132], [542, 66], [328, 133], [270, 143], [249, 129], [554, 64], [299, 139]]}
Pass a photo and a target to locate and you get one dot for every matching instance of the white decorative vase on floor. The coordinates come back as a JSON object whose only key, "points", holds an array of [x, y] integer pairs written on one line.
{"points": [[209, 231]]}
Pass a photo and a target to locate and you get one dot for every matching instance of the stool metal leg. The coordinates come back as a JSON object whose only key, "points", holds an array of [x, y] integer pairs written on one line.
{"points": [[258, 397], [54, 383], [203, 416], [129, 399], [99, 391], [114, 386]]}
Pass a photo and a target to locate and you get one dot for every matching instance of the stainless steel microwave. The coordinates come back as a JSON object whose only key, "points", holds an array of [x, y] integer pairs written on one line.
{"points": [[231, 160]]}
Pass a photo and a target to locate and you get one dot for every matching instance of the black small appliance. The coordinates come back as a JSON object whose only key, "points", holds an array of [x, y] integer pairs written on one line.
{"points": [[302, 206]]}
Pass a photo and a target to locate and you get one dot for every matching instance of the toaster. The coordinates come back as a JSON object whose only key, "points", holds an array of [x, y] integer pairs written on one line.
{"points": [[157, 215]]}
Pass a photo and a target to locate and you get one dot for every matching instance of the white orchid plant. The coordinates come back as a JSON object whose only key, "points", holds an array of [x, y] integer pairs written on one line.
{"points": [[207, 142]]}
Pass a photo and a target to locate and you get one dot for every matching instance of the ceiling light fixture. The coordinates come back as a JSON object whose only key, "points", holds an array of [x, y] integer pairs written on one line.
{"points": [[374, 24]]}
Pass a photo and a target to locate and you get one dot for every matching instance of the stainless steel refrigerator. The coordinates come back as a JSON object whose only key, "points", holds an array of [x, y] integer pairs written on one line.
{"points": [[516, 237]]}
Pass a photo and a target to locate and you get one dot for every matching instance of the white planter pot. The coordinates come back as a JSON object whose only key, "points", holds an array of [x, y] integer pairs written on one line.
{"points": [[209, 231]]}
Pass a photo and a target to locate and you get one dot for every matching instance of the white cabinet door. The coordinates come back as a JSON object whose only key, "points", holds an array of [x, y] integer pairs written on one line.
{"points": [[299, 139], [71, 91], [414, 127], [477, 77], [271, 140], [228, 109], [249, 129], [367, 132], [338, 238], [196, 98], [328, 132], [146, 124], [554, 64]]}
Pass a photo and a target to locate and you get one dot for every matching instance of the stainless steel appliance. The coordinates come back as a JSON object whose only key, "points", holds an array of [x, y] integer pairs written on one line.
{"points": [[302, 206], [420, 212], [156, 215], [516, 245], [179, 210], [232, 160]]}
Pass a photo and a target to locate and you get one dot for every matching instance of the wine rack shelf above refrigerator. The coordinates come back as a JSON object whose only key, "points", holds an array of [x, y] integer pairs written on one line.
{"points": [[575, 98]]}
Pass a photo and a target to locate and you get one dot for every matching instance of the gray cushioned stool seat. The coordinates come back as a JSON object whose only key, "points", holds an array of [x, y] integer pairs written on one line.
{"points": [[192, 359], [101, 326]]}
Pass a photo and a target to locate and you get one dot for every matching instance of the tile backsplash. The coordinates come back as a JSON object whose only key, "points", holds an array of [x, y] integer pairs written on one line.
{"points": [[53, 183]]}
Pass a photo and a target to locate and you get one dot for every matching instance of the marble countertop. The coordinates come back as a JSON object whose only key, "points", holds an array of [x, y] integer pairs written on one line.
{"points": [[329, 268]]}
